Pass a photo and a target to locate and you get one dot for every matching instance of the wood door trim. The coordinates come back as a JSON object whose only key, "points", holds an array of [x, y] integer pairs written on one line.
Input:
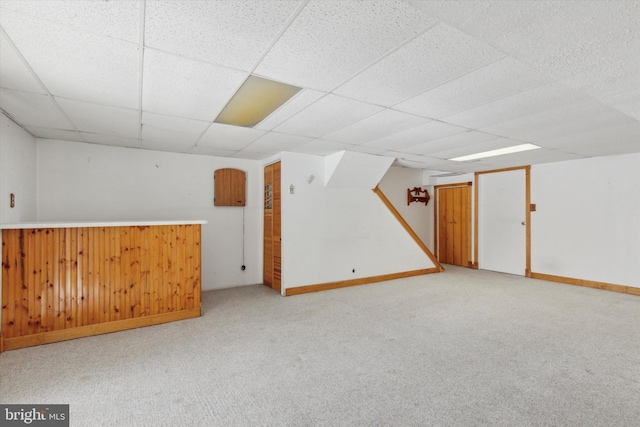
{"points": [[407, 227], [436, 213], [527, 169]]}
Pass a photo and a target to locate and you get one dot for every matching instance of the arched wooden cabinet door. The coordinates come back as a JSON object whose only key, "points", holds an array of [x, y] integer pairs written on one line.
{"points": [[229, 187]]}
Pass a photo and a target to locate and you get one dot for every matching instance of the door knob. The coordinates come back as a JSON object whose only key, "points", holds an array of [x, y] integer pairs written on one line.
{"points": [[524, 223]]}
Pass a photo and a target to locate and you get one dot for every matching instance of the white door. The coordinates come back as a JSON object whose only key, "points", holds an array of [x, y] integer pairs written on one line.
{"points": [[502, 234]]}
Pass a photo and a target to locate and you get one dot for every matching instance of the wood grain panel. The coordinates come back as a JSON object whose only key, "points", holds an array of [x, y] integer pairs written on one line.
{"points": [[57, 279], [229, 187]]}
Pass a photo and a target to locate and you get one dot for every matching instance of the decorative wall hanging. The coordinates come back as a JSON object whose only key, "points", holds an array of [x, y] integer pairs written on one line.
{"points": [[417, 194]]}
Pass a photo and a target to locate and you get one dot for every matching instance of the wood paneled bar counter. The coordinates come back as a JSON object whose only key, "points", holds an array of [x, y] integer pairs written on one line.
{"points": [[68, 280]]}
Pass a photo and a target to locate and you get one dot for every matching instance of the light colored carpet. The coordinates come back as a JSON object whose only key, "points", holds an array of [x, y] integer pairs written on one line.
{"points": [[461, 348]]}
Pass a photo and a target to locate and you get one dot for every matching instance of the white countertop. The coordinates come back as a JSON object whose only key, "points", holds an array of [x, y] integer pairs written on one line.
{"points": [[95, 224]]}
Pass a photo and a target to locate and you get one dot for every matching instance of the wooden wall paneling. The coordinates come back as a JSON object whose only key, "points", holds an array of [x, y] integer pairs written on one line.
{"points": [[30, 310], [127, 263], [83, 276], [94, 282], [10, 269], [155, 259], [101, 274], [145, 270], [197, 271], [173, 266], [71, 274], [134, 284], [165, 304], [189, 282], [64, 279], [40, 283], [60, 276]]}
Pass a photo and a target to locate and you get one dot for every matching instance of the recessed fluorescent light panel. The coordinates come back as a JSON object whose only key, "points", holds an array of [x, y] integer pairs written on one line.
{"points": [[499, 152], [254, 101]]}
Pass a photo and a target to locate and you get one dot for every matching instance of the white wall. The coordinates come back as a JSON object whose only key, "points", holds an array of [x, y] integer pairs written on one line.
{"points": [[78, 181], [587, 223], [329, 232], [17, 172], [394, 185]]}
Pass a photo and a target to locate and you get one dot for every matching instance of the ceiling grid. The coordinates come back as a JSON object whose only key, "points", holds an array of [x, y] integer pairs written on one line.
{"points": [[421, 82]]}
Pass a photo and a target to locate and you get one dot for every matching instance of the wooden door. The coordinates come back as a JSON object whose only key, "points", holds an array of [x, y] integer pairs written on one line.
{"points": [[272, 270], [454, 225]]}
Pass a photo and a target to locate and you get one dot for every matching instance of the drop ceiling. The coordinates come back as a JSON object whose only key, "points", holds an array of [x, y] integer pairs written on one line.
{"points": [[418, 81]]}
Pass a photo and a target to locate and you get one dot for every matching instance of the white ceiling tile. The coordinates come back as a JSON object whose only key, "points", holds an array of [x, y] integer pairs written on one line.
{"points": [[252, 155], [319, 147], [525, 103], [227, 137], [532, 157], [376, 126], [331, 40], [116, 19], [33, 109], [479, 147], [218, 31], [101, 119], [606, 138], [274, 142], [417, 135], [590, 46], [173, 146], [300, 101], [117, 141], [567, 119], [603, 150], [181, 87], [441, 54], [177, 124], [60, 134], [458, 140], [327, 115], [212, 151], [413, 161], [152, 135], [494, 81], [14, 74], [77, 65], [368, 150], [624, 99]]}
